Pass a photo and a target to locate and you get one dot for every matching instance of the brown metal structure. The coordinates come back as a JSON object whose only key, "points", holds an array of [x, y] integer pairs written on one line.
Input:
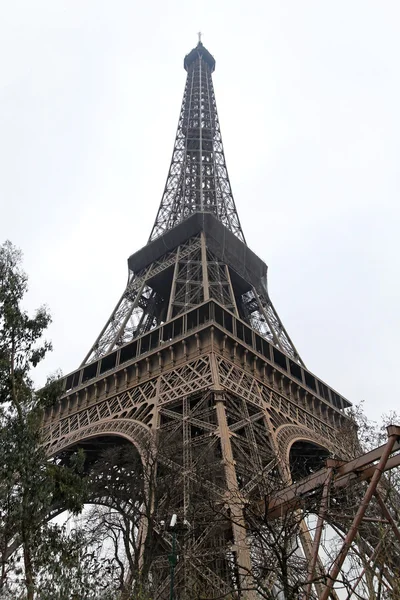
{"points": [[194, 361], [338, 474]]}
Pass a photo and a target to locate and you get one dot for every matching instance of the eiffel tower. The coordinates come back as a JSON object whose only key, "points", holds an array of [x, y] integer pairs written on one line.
{"points": [[195, 358]]}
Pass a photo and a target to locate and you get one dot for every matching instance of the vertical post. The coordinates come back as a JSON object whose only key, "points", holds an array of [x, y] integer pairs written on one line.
{"points": [[360, 513], [148, 456], [206, 288], [173, 287], [233, 500], [172, 562], [307, 545], [232, 293], [318, 534], [201, 99], [187, 462]]}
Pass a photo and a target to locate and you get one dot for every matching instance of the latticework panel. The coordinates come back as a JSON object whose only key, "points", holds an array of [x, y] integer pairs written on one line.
{"points": [[137, 404], [281, 409], [188, 289], [189, 378], [190, 454], [257, 309], [140, 306], [280, 337], [219, 283], [198, 179], [192, 439]]}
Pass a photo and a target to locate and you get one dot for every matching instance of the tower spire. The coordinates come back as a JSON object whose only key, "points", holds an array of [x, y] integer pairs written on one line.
{"points": [[198, 179]]}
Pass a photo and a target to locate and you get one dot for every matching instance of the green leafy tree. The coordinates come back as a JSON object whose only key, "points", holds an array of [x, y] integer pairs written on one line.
{"points": [[31, 486]]}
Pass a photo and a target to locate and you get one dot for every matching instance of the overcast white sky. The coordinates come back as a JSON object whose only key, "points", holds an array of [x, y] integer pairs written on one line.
{"points": [[308, 95]]}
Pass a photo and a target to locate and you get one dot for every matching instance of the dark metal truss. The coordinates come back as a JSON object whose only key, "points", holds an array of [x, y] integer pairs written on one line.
{"points": [[186, 276], [198, 178], [176, 283]]}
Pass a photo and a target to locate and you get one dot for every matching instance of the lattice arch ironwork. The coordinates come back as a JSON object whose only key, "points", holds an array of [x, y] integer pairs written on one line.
{"points": [[138, 434], [289, 434]]}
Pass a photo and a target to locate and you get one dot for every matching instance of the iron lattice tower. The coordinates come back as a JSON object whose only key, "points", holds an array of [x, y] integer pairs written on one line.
{"points": [[195, 357]]}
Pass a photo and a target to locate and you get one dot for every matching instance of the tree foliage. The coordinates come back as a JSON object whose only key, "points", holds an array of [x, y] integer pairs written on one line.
{"points": [[31, 486]]}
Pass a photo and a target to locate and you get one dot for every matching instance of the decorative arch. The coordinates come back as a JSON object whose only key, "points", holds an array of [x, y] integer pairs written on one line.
{"points": [[139, 434], [287, 435], [135, 432]]}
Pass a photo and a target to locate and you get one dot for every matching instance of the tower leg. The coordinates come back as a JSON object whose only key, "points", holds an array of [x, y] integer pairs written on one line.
{"points": [[234, 502]]}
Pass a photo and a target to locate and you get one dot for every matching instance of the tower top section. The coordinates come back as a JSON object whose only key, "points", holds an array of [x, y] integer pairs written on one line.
{"points": [[199, 52], [198, 179]]}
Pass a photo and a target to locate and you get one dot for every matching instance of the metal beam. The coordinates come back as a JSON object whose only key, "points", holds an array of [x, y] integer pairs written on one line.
{"points": [[393, 433], [357, 469]]}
